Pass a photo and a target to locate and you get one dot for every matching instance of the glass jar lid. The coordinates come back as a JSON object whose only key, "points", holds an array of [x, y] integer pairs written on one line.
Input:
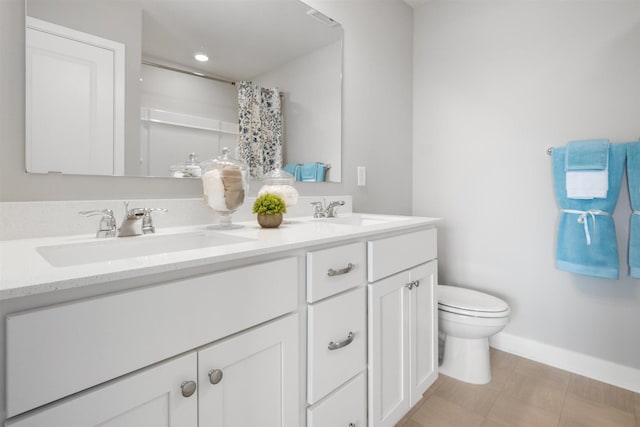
{"points": [[187, 169], [278, 177], [222, 161]]}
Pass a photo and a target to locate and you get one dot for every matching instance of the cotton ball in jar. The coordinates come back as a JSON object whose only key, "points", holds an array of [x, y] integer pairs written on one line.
{"points": [[280, 183]]}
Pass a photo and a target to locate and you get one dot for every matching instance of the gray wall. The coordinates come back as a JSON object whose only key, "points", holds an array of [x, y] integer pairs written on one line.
{"points": [[376, 117], [496, 84]]}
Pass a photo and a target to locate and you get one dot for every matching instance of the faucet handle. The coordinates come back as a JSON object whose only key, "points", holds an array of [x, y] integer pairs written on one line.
{"points": [[107, 226], [318, 209], [332, 207], [147, 220]]}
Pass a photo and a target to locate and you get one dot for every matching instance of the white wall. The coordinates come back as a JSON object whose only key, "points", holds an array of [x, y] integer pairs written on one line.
{"points": [[495, 84], [376, 117]]}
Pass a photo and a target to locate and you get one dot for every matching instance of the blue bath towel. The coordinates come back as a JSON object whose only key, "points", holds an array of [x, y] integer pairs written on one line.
{"points": [[588, 155], [633, 178], [586, 232]]}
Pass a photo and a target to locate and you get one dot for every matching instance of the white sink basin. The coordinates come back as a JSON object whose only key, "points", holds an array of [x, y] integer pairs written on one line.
{"points": [[363, 220], [111, 249]]}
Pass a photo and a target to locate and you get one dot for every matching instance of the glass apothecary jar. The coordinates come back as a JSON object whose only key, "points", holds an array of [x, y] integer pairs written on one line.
{"points": [[280, 183], [188, 169], [225, 185]]}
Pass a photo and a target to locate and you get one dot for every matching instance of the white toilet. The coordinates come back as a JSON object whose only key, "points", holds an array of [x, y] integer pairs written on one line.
{"points": [[467, 319]]}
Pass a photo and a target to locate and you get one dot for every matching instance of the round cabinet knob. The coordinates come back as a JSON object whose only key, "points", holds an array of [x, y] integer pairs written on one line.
{"points": [[215, 376], [352, 424], [188, 388]]}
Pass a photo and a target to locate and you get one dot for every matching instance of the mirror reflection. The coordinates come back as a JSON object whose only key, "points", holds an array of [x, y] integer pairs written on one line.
{"points": [[114, 87]]}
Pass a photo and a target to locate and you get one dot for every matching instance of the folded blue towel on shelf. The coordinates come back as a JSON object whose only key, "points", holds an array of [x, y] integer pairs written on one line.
{"points": [[586, 232], [587, 155], [293, 169], [633, 179], [312, 172]]}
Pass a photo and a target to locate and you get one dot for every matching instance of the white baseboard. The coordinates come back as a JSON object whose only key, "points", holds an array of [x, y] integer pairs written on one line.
{"points": [[578, 363]]}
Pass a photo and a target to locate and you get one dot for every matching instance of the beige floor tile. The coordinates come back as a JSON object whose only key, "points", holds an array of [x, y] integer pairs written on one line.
{"points": [[404, 422], [637, 399], [411, 423], [442, 379], [491, 423], [599, 392], [502, 364], [513, 413], [540, 371], [579, 412], [539, 392], [442, 413], [475, 398], [503, 359]]}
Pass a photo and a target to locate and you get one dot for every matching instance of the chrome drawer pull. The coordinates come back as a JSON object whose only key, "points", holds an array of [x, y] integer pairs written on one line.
{"points": [[336, 345], [331, 272]]}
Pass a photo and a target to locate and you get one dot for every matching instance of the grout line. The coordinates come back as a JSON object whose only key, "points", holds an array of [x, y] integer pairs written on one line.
{"points": [[564, 398]]}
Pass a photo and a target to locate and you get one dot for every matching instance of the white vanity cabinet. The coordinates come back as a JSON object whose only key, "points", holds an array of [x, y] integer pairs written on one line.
{"points": [[402, 323], [82, 344], [332, 326], [247, 380], [336, 336]]}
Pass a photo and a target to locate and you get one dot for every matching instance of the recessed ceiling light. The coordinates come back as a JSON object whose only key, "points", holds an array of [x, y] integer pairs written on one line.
{"points": [[201, 57]]}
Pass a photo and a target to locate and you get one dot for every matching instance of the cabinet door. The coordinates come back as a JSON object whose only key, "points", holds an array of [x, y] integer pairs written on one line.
{"points": [[423, 326], [388, 350], [251, 379], [403, 327], [152, 397]]}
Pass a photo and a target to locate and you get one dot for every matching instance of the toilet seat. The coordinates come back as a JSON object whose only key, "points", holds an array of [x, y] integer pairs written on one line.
{"points": [[467, 302]]}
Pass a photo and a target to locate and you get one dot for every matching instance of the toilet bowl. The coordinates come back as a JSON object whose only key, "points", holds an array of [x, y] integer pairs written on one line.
{"points": [[466, 320]]}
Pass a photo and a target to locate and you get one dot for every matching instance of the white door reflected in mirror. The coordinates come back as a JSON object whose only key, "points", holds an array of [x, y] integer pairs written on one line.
{"points": [[74, 101]]}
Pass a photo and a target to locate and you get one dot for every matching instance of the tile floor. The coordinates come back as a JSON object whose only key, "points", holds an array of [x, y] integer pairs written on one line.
{"points": [[525, 393]]}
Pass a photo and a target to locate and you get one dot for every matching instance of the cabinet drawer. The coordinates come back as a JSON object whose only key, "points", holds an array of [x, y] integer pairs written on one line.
{"points": [[345, 407], [60, 350], [331, 321], [393, 254], [334, 270]]}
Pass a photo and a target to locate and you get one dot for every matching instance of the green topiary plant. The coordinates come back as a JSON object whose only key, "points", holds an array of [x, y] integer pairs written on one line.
{"points": [[269, 204]]}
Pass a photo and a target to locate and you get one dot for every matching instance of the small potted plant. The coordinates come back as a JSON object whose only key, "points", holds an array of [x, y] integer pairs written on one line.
{"points": [[269, 208]]}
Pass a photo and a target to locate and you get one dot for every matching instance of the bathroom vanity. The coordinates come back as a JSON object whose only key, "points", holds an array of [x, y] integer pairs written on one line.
{"points": [[297, 326]]}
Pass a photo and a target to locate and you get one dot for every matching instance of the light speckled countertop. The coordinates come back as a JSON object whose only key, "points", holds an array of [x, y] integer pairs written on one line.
{"points": [[23, 271]]}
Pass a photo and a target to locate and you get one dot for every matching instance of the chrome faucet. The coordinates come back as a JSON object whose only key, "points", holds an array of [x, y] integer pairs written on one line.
{"points": [[107, 226], [320, 211], [134, 216]]}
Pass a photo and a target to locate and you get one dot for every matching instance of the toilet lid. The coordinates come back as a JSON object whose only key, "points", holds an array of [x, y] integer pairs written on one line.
{"points": [[468, 301]]}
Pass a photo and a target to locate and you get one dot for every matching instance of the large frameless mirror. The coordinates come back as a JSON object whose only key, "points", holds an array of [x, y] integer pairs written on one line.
{"points": [[114, 87]]}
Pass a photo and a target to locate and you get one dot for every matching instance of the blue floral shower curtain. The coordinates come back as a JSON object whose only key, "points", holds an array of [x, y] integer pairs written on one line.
{"points": [[260, 145]]}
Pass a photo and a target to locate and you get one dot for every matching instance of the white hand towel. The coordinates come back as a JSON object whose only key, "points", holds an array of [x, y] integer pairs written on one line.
{"points": [[588, 184]]}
